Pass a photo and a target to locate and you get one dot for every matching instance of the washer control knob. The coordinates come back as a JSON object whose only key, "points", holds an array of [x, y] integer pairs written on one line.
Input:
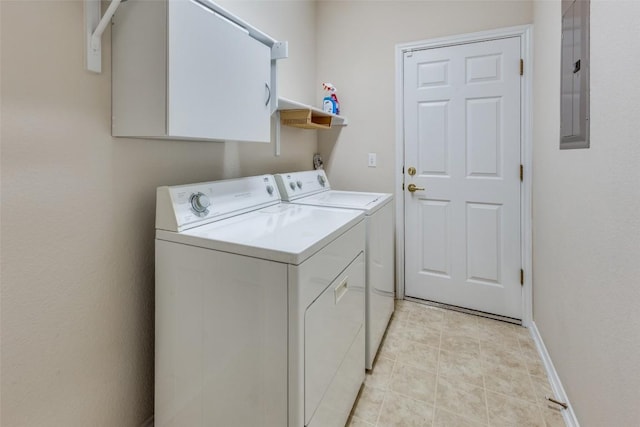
{"points": [[199, 202], [299, 184], [321, 180], [292, 185], [270, 189]]}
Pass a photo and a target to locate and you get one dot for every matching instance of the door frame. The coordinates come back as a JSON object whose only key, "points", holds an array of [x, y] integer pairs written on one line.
{"points": [[526, 148]]}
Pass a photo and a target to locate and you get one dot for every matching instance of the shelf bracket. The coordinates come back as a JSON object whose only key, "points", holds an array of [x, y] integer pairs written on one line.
{"points": [[280, 50], [277, 135], [94, 27]]}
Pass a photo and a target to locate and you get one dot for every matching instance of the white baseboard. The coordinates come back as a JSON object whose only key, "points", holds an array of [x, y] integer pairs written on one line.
{"points": [[148, 422], [569, 416]]}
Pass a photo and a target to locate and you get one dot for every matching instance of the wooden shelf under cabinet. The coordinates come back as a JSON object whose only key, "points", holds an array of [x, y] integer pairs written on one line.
{"points": [[305, 119], [299, 115]]}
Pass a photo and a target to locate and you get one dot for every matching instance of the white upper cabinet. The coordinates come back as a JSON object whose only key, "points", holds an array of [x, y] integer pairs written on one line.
{"points": [[182, 70]]}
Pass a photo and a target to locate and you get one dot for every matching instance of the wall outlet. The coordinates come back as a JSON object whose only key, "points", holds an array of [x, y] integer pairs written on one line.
{"points": [[372, 162]]}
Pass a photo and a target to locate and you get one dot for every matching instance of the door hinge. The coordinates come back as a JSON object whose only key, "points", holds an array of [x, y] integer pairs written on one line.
{"points": [[522, 277], [521, 173], [521, 67]]}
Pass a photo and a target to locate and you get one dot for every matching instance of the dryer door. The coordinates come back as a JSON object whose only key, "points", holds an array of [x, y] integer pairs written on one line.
{"points": [[333, 341]]}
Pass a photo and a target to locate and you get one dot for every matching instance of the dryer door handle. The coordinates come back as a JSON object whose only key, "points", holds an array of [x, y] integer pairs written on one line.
{"points": [[340, 290]]}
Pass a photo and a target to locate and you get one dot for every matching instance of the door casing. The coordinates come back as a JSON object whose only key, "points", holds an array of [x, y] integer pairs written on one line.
{"points": [[526, 45]]}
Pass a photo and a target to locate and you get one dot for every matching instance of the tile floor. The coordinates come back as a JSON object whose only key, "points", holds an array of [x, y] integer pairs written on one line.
{"points": [[444, 368]]}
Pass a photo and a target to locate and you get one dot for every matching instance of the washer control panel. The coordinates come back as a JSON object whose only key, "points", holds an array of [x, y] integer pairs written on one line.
{"points": [[185, 206], [299, 184]]}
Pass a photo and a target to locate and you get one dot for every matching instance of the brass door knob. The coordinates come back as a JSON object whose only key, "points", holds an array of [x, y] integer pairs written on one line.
{"points": [[412, 188]]}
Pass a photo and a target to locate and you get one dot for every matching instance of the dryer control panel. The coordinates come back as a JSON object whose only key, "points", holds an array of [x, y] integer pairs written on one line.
{"points": [[300, 184], [182, 207]]}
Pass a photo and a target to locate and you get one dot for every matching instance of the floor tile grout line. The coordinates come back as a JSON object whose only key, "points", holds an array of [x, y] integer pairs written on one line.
{"points": [[538, 404], [476, 337], [406, 396], [486, 395], [435, 394], [384, 399], [435, 391], [386, 392], [514, 397], [478, 328], [484, 383]]}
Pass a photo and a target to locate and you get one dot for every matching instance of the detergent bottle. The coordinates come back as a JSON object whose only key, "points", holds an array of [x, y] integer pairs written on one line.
{"points": [[330, 102], [328, 105]]}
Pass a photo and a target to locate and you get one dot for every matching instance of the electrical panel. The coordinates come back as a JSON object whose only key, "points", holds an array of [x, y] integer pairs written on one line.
{"points": [[574, 87]]}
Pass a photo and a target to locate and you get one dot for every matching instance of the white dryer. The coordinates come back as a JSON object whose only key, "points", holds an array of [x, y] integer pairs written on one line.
{"points": [[259, 308], [312, 188]]}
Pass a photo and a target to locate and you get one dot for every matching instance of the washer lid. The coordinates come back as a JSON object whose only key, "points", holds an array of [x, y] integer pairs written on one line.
{"points": [[288, 233], [369, 202]]}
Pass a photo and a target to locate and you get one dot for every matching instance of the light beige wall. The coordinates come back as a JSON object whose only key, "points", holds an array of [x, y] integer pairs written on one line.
{"points": [[356, 52], [78, 215], [586, 221]]}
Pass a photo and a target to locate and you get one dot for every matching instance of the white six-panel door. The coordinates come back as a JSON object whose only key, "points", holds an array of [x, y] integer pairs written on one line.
{"points": [[462, 135]]}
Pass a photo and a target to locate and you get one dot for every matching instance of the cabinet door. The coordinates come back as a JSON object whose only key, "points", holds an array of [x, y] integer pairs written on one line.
{"points": [[218, 77]]}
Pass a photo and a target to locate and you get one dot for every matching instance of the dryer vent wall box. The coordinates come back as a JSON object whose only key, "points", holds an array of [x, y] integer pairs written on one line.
{"points": [[184, 69]]}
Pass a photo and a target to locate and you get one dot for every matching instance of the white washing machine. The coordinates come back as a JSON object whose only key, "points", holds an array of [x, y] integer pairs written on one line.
{"points": [[259, 308], [313, 188]]}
